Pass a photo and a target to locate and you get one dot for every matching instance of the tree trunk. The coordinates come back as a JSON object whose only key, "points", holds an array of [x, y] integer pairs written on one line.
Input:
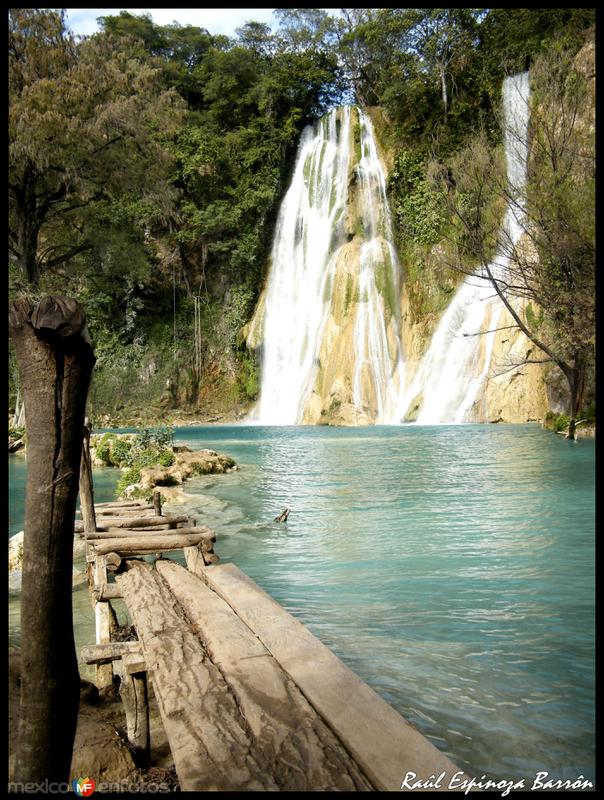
{"points": [[28, 228], [575, 376], [445, 97], [55, 361]]}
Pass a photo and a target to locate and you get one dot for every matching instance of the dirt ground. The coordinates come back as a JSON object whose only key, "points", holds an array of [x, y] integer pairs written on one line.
{"points": [[101, 751]]}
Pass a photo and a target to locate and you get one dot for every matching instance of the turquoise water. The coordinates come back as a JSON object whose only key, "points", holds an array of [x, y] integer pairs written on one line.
{"points": [[451, 567]]}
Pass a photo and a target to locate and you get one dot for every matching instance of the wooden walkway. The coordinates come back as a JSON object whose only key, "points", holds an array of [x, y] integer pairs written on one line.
{"points": [[249, 698]]}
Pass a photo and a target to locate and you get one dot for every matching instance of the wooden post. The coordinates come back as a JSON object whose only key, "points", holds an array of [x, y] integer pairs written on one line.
{"points": [[103, 622], [55, 359], [157, 502], [86, 487], [133, 691]]}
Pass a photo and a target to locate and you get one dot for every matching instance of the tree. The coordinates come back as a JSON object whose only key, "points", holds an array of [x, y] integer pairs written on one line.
{"points": [[87, 123], [546, 277], [442, 37], [55, 360]]}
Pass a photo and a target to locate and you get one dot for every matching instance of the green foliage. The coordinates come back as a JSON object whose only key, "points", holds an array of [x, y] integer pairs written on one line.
{"points": [[159, 437], [120, 450], [103, 453], [129, 477], [249, 378], [88, 122], [589, 413], [142, 206], [419, 210]]}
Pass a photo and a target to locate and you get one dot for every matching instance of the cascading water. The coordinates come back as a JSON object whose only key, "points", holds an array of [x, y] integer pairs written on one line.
{"points": [[302, 260], [309, 239], [456, 364], [377, 262]]}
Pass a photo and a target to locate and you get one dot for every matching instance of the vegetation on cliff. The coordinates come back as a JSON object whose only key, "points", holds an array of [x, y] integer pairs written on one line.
{"points": [[147, 162]]}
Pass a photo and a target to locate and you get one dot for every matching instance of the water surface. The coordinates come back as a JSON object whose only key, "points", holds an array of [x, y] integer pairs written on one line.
{"points": [[451, 567]]}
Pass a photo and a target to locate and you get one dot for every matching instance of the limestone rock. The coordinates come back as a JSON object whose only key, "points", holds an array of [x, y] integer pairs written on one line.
{"points": [[186, 464]]}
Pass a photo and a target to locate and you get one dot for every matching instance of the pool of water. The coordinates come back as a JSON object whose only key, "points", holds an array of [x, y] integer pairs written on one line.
{"points": [[451, 567]]}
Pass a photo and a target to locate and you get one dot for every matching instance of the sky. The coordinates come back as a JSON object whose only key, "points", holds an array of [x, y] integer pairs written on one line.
{"points": [[215, 20]]}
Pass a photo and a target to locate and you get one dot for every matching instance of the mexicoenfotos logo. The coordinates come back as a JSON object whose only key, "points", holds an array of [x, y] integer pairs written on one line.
{"points": [[83, 787]]}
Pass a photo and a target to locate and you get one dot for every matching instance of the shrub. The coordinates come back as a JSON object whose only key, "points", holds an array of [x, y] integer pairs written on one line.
{"points": [[132, 475], [166, 458], [119, 452], [103, 448]]}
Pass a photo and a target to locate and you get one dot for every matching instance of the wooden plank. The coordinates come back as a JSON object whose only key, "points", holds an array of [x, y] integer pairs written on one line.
{"points": [[381, 741], [111, 651], [281, 721], [210, 744], [151, 543]]}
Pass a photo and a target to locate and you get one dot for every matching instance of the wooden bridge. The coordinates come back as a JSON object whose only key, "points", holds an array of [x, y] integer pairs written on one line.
{"points": [[249, 698]]}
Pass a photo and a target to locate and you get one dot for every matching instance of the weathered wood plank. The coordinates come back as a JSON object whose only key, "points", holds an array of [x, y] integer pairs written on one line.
{"points": [[106, 653], [209, 740], [152, 543], [381, 741], [283, 724]]}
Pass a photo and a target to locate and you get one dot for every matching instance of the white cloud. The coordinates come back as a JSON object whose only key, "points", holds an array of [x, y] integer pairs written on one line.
{"points": [[216, 20]]}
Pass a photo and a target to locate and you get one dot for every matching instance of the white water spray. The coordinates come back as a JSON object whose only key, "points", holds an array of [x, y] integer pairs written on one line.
{"points": [[456, 364], [308, 227], [308, 239], [378, 263]]}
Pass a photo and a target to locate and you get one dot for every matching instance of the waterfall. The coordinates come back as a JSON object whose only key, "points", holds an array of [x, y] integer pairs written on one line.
{"points": [[378, 262], [455, 365], [306, 238], [310, 236]]}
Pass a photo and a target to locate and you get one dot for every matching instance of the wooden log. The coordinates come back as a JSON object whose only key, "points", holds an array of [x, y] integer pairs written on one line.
{"points": [[279, 717], [152, 543], [208, 737], [122, 533], [123, 504], [194, 559], [103, 523], [134, 662], [125, 512], [112, 561], [55, 360], [133, 692], [210, 558], [111, 651], [103, 623], [86, 487], [157, 502], [110, 591]]}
